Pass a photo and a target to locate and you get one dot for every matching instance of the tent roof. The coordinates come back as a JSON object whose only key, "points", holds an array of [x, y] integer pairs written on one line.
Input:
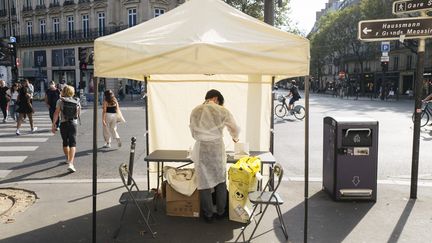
{"points": [[201, 37]]}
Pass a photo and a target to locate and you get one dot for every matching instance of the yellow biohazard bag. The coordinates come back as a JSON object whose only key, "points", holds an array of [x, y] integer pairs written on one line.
{"points": [[242, 180]]}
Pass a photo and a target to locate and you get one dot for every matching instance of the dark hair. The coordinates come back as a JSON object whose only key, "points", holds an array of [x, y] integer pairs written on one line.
{"points": [[214, 93], [109, 97]]}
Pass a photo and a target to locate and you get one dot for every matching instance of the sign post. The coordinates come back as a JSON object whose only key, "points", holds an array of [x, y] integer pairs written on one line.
{"points": [[399, 29]]}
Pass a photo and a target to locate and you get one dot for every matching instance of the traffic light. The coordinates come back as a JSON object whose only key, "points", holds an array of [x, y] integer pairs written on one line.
{"points": [[384, 66], [82, 58]]}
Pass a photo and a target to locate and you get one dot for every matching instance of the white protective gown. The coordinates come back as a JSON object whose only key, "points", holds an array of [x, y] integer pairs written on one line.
{"points": [[206, 124]]}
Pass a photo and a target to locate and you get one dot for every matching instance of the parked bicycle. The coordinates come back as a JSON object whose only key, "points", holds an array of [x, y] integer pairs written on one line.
{"points": [[281, 110], [425, 115]]}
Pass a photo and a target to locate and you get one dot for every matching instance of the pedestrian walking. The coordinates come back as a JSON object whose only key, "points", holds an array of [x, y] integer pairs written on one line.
{"points": [[25, 106], [206, 124], [67, 110], [101, 90], [52, 94], [4, 99], [13, 105], [111, 115]]}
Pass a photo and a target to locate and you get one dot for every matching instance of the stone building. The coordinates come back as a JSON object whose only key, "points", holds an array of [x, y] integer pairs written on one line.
{"points": [[55, 37]]}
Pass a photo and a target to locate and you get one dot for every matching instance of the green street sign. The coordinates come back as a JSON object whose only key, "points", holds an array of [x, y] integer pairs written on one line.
{"points": [[395, 29], [408, 6]]}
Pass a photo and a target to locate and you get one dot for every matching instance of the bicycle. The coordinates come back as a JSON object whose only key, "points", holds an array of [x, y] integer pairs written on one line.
{"points": [[281, 110], [425, 115]]}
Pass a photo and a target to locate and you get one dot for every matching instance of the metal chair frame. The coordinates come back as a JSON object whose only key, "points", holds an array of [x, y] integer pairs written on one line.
{"points": [[137, 197], [271, 197]]}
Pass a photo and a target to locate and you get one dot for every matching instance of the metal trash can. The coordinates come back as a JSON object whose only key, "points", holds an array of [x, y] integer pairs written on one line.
{"points": [[350, 158]]}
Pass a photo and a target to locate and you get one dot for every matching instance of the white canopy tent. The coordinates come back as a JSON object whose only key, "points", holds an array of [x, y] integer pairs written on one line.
{"points": [[200, 45]]}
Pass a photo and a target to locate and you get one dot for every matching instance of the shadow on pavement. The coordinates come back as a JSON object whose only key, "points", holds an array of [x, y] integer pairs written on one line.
{"points": [[169, 229], [397, 231], [329, 221]]}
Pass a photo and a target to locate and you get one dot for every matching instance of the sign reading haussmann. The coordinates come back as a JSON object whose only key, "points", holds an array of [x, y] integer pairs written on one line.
{"points": [[393, 29]]}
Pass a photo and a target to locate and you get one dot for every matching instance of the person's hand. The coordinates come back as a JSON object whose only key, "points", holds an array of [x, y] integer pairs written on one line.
{"points": [[54, 129], [104, 123]]}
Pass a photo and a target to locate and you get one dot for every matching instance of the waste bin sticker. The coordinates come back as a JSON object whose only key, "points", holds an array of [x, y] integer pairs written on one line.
{"points": [[356, 138], [356, 180], [361, 151], [239, 195]]}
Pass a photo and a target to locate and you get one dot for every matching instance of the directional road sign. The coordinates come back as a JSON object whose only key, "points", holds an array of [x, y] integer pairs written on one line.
{"points": [[408, 6], [394, 29]]}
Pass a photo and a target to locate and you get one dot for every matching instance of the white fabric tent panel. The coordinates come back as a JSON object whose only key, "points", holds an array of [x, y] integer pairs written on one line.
{"points": [[170, 105], [201, 37]]}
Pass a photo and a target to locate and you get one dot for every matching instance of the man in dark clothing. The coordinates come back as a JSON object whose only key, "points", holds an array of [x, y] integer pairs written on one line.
{"points": [[51, 96], [293, 92]]}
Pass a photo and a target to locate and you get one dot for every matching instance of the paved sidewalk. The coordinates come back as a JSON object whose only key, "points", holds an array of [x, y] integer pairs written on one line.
{"points": [[63, 213]]}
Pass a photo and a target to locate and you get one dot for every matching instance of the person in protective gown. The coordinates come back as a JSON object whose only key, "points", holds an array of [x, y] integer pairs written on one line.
{"points": [[207, 122]]}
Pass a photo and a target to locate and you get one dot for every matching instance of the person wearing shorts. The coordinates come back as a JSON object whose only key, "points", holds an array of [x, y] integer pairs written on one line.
{"points": [[68, 128]]}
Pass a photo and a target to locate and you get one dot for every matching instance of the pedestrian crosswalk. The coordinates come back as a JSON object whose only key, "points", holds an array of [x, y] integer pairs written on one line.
{"points": [[16, 149]]}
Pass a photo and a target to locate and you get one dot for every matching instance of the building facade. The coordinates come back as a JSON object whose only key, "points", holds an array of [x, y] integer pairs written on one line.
{"points": [[55, 37]]}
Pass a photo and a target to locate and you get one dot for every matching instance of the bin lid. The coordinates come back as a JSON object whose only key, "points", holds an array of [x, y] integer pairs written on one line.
{"points": [[352, 120]]}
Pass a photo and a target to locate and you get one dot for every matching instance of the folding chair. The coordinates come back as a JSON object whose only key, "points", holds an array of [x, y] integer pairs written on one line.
{"points": [[261, 198], [137, 197]]}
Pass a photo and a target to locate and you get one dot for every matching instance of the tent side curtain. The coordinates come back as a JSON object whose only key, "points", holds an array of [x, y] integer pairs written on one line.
{"points": [[170, 105]]}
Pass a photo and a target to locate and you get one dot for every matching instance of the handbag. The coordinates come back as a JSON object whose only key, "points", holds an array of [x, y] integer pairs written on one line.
{"points": [[119, 116]]}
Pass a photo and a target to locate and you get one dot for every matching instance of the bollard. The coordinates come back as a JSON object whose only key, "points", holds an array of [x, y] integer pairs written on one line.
{"points": [[131, 159]]}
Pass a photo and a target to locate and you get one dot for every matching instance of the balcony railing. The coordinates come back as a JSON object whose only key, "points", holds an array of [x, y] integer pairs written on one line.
{"points": [[66, 36], [13, 11], [83, 1]]}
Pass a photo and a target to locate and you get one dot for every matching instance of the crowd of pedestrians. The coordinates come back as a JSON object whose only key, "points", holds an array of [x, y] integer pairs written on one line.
{"points": [[16, 103]]}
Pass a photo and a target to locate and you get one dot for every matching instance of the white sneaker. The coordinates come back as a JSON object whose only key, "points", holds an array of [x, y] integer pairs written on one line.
{"points": [[18, 132], [34, 129], [71, 168], [107, 145]]}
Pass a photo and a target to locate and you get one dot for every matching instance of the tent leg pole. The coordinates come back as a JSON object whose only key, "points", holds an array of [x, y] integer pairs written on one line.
{"points": [[95, 122], [146, 130], [306, 172]]}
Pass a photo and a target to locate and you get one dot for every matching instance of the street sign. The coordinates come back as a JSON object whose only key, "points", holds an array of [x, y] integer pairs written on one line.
{"points": [[395, 29], [12, 39], [408, 6], [385, 46], [385, 59]]}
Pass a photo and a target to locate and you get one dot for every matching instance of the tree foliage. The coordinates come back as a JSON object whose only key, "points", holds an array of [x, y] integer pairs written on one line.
{"points": [[336, 39], [255, 8]]}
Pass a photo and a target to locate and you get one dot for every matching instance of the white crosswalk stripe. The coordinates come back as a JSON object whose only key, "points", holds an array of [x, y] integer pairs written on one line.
{"points": [[38, 134], [19, 139], [12, 159], [16, 149]]}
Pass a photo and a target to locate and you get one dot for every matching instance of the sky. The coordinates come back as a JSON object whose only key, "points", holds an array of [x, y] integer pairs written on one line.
{"points": [[303, 12]]}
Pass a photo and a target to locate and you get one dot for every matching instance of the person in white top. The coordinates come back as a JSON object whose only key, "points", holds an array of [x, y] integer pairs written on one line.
{"points": [[13, 105], [207, 122]]}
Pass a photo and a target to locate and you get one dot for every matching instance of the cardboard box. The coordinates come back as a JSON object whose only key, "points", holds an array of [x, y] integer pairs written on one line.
{"points": [[180, 205]]}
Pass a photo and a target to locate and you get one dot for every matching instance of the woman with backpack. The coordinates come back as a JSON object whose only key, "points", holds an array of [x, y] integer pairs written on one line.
{"points": [[111, 115], [67, 110]]}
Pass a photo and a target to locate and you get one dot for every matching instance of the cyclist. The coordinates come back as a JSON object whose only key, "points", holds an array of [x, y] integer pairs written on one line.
{"points": [[293, 92], [428, 99]]}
